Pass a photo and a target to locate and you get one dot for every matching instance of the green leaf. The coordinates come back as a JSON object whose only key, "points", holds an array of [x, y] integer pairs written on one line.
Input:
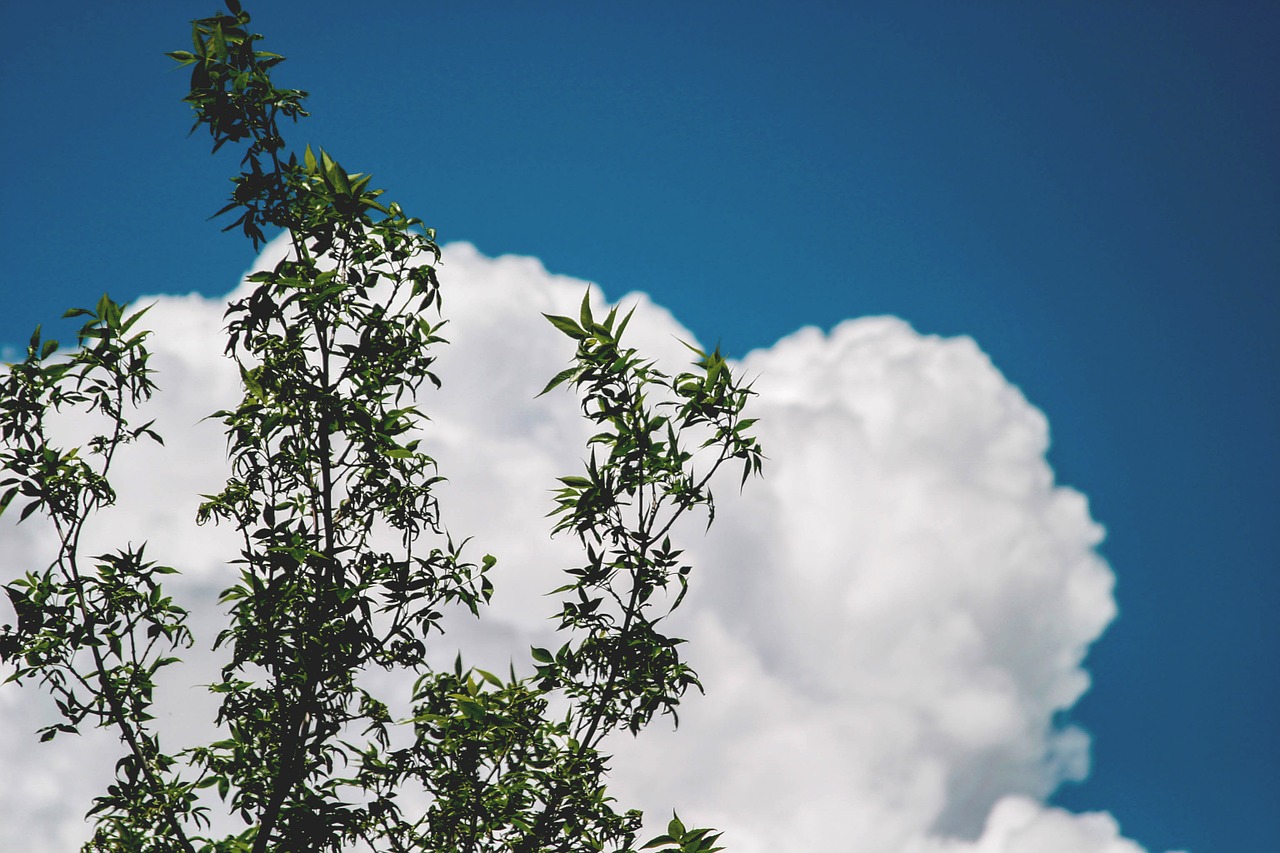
{"points": [[559, 378], [715, 364], [251, 383], [335, 175], [27, 510], [622, 327], [701, 355], [584, 313], [567, 326], [7, 498], [104, 308], [358, 182], [490, 677], [541, 655], [135, 317]]}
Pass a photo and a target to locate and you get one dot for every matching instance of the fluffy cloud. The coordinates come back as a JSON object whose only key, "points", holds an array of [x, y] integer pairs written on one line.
{"points": [[888, 624]]}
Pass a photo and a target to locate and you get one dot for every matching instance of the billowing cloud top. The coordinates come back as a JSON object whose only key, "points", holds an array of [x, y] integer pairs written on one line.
{"points": [[887, 624]]}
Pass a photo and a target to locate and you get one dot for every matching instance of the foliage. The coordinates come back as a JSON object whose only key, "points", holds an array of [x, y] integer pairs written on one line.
{"points": [[345, 566]]}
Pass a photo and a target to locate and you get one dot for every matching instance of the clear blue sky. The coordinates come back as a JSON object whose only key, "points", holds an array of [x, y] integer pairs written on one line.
{"points": [[1089, 189]]}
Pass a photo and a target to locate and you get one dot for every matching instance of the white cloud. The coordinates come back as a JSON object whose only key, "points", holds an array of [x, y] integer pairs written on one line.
{"points": [[887, 623]]}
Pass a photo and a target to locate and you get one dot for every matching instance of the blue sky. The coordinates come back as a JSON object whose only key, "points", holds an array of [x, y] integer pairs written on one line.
{"points": [[1089, 190]]}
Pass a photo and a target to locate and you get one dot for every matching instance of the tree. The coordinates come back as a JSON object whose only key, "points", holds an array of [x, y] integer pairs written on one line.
{"points": [[345, 565]]}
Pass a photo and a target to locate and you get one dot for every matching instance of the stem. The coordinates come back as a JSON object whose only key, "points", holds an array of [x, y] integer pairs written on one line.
{"points": [[297, 729], [70, 548], [629, 613]]}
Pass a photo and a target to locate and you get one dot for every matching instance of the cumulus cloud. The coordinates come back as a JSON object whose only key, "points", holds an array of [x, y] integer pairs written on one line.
{"points": [[888, 624]]}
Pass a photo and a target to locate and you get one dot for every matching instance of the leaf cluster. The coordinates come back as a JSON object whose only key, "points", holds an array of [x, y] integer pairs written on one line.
{"points": [[641, 477], [235, 99], [95, 631]]}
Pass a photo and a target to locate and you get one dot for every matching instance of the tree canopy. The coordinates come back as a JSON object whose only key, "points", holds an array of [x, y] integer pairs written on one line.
{"points": [[345, 564]]}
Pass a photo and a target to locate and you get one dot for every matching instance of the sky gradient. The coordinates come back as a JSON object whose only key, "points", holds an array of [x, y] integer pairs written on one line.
{"points": [[1089, 191]]}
